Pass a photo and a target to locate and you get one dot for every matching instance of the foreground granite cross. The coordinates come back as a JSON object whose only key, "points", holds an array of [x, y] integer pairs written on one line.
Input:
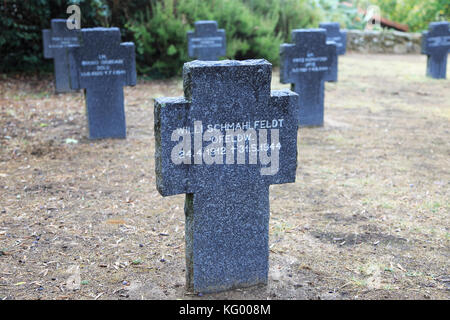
{"points": [[206, 43], [56, 42], [340, 39], [228, 106], [305, 65], [436, 45], [102, 66]]}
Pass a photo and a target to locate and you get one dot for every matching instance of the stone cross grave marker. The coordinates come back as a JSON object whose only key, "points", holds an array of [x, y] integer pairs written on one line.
{"points": [[102, 65], [305, 65], [223, 144], [56, 42], [436, 45], [340, 39], [207, 43]]}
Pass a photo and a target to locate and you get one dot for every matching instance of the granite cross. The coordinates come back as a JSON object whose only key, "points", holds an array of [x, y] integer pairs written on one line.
{"points": [[102, 66], [206, 43], [227, 105], [305, 65], [56, 42], [340, 39], [436, 45]]}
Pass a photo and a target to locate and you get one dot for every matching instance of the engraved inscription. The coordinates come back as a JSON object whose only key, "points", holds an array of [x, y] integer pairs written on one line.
{"points": [[103, 66], [227, 141]]}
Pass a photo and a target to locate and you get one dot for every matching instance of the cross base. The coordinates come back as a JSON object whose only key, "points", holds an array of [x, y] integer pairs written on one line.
{"points": [[227, 237]]}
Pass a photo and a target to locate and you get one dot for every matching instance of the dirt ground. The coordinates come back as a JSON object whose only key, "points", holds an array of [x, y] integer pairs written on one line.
{"points": [[368, 217]]}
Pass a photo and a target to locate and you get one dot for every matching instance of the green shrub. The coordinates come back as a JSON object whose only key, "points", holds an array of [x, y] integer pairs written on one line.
{"points": [[20, 38], [160, 33]]}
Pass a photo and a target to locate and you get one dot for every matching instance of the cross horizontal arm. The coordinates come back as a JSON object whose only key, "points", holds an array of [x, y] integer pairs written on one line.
{"points": [[285, 106], [333, 53], [342, 47], [171, 114]]}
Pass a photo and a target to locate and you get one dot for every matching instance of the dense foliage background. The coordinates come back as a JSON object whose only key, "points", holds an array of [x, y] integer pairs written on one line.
{"points": [[414, 13], [254, 28]]}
